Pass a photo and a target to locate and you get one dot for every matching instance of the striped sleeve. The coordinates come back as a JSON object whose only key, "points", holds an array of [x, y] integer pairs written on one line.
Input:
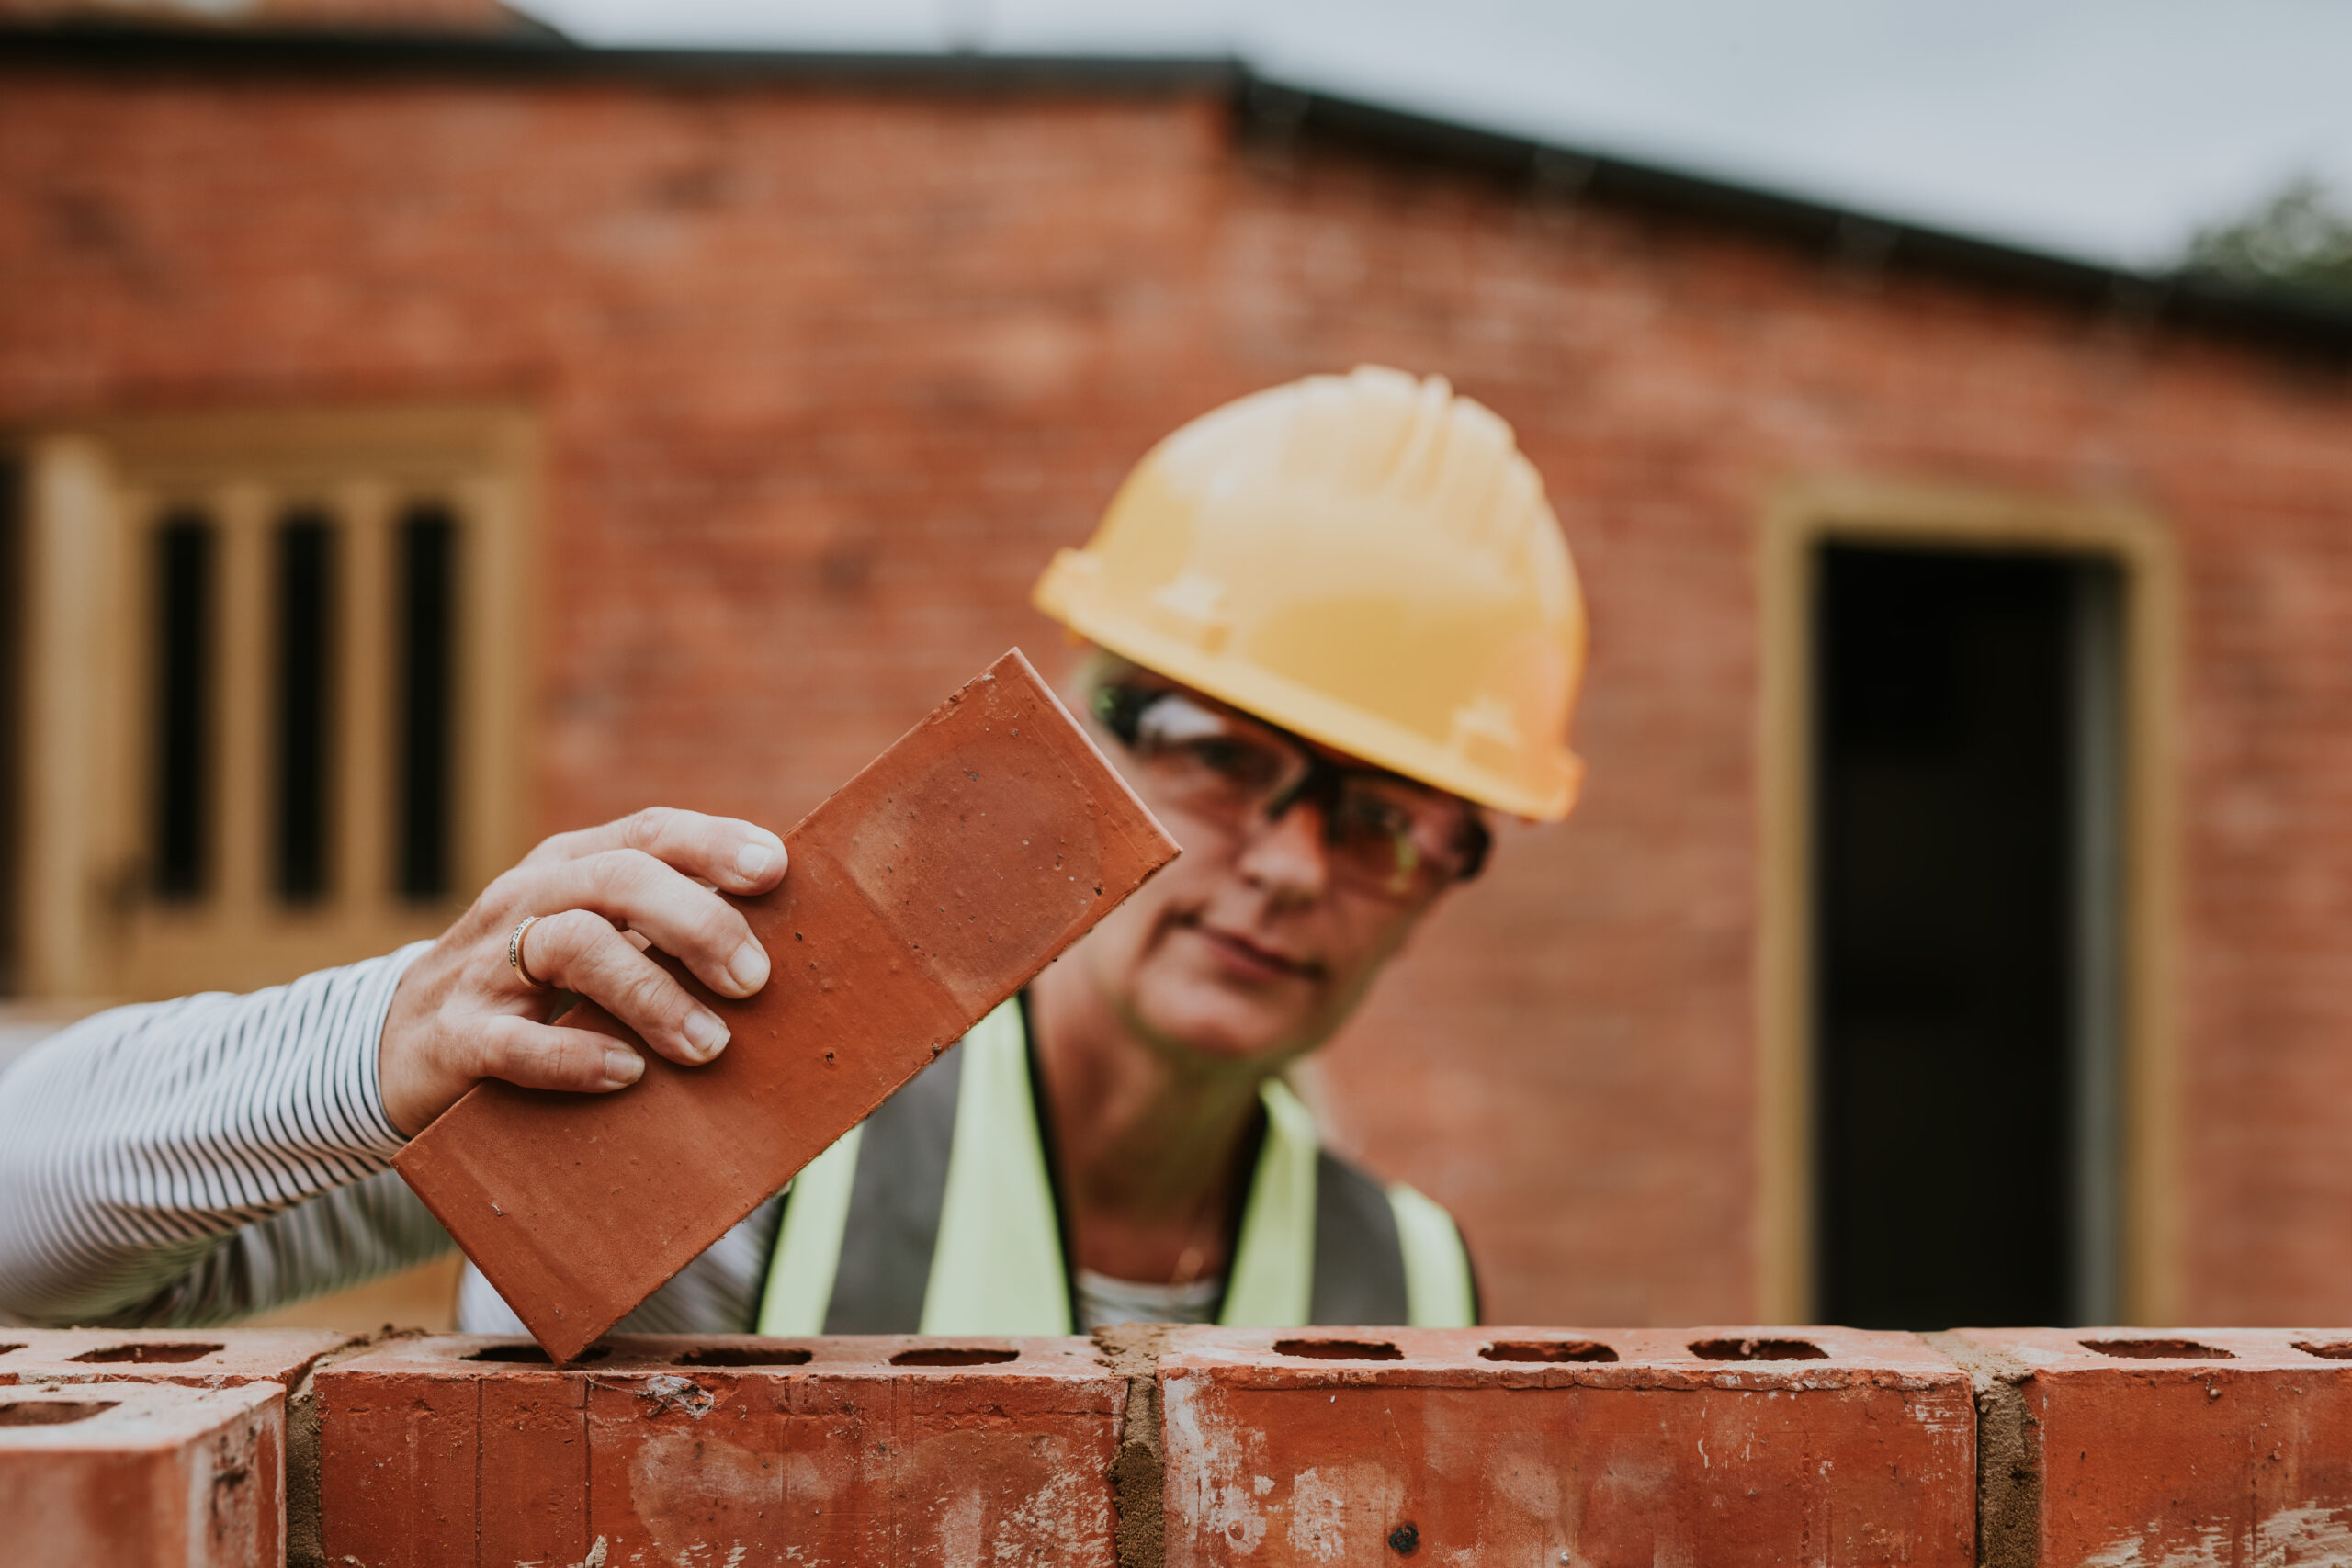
{"points": [[136, 1145]]}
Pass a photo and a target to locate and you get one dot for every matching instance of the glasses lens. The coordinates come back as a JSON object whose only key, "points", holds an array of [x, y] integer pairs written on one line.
{"points": [[1392, 835], [1210, 761], [1384, 833]]}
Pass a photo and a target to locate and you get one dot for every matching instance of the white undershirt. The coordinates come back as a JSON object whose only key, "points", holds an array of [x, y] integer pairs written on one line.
{"points": [[1102, 1301]]}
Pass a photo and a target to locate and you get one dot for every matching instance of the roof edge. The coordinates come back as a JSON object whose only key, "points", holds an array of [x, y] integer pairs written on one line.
{"points": [[1867, 240], [1267, 107], [101, 44]]}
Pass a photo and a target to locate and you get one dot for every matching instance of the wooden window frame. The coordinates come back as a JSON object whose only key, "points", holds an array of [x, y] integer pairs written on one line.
{"points": [[1797, 521], [92, 491]]}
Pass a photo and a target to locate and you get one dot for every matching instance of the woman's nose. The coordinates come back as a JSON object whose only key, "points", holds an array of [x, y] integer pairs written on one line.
{"points": [[1287, 855]]}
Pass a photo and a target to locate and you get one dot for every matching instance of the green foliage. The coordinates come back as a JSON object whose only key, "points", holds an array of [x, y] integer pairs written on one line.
{"points": [[2301, 238]]}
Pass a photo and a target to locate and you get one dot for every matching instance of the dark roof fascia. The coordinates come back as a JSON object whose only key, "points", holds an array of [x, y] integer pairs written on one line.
{"points": [[551, 57], [2282, 318]]}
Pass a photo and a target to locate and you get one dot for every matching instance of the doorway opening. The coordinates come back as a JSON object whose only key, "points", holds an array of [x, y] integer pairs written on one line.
{"points": [[1967, 828]]}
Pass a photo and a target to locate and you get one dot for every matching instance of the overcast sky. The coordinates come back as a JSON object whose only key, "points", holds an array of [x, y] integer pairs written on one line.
{"points": [[2106, 129]]}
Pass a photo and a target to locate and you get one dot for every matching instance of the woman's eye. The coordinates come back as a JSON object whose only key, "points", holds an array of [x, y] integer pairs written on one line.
{"points": [[1369, 817], [1231, 760]]}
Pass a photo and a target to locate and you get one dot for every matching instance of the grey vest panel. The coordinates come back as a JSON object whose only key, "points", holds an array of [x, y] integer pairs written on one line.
{"points": [[901, 1183], [894, 1203], [1359, 1263]]}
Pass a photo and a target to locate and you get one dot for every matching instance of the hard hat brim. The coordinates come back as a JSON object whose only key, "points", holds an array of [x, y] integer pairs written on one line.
{"points": [[1548, 796]]}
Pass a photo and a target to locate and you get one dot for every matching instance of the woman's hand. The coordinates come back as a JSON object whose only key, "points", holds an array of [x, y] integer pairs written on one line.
{"points": [[461, 1013]]}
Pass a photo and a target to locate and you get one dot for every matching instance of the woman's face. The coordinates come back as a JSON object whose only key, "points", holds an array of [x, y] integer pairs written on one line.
{"points": [[1256, 943]]}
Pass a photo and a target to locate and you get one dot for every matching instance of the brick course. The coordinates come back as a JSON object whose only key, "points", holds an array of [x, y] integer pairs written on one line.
{"points": [[826, 372], [2010, 1448], [198, 1358]]}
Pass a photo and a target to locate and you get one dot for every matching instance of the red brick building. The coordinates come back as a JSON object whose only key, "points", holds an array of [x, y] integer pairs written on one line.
{"points": [[754, 391]]}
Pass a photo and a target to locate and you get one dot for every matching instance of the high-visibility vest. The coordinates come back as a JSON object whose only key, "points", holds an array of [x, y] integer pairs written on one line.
{"points": [[937, 1215]]}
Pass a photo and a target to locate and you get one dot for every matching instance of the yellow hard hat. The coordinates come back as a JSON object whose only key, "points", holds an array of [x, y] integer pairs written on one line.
{"points": [[1364, 559]]}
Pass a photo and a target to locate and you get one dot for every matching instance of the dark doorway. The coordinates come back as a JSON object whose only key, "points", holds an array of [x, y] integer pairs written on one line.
{"points": [[1966, 760]]}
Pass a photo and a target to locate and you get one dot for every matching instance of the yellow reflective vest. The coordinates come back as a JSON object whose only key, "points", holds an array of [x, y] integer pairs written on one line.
{"points": [[937, 1215]]}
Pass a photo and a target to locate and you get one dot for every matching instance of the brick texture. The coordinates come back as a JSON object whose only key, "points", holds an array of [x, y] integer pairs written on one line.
{"points": [[1713, 1445], [436, 1452], [198, 1357], [143, 1475], [2176, 1445], [2011, 1448], [826, 373]]}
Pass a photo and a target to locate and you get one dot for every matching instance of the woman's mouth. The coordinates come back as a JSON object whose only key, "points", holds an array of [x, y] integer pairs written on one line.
{"points": [[1249, 960]]}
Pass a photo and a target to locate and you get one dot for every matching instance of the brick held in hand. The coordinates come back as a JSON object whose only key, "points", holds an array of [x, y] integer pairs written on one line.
{"points": [[922, 894]]}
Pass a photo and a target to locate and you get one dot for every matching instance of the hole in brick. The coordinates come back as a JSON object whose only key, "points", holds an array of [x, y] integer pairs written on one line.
{"points": [[532, 1356], [743, 1356], [1757, 1350], [952, 1355], [1548, 1351], [1339, 1350], [52, 1412], [2333, 1349], [6, 1348], [2158, 1350], [149, 1355]]}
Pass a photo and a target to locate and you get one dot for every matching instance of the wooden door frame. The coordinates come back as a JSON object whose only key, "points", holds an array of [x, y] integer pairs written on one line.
{"points": [[1797, 520]]}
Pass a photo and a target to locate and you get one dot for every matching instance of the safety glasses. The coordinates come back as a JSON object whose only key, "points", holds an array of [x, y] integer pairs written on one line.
{"points": [[1382, 833]]}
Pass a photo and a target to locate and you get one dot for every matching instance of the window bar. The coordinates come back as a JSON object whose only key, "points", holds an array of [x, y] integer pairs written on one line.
{"points": [[306, 621], [12, 615], [427, 631], [185, 551]]}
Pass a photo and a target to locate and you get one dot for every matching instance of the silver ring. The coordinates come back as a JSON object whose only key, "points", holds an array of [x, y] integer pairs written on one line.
{"points": [[514, 954]]}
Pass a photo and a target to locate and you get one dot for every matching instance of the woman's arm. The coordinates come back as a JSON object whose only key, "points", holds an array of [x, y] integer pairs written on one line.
{"points": [[134, 1141]]}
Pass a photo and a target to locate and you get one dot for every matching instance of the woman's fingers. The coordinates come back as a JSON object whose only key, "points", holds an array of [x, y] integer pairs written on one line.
{"points": [[455, 1016], [583, 952], [681, 917], [548, 1055], [724, 850]]}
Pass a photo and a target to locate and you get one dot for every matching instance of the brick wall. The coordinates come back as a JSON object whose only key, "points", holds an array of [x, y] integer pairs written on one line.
{"points": [[1147, 1447], [825, 373]]}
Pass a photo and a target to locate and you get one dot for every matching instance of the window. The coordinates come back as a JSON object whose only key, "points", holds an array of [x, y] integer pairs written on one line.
{"points": [[269, 716]]}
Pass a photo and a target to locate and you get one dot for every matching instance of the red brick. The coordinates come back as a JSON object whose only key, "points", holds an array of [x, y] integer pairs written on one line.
{"points": [[207, 1358], [2178, 1445], [667, 1449], [925, 892], [1865, 1454], [143, 1473]]}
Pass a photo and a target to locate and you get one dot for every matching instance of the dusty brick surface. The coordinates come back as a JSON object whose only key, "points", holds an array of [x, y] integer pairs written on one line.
{"points": [[825, 373], [199, 1358], [1414, 1444], [925, 892], [143, 1475], [2182, 1444], [721, 1449]]}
